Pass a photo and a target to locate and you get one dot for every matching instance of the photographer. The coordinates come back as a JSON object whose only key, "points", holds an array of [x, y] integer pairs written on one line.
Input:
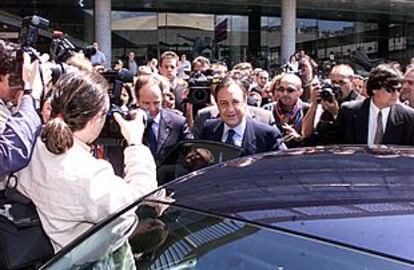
{"points": [[18, 129], [317, 123], [71, 189]]}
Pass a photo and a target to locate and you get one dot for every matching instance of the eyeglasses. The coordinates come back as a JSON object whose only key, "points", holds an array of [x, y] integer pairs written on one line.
{"points": [[290, 89]]}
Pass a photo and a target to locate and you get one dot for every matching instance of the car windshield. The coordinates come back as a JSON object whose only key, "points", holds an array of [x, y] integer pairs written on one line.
{"points": [[180, 238]]}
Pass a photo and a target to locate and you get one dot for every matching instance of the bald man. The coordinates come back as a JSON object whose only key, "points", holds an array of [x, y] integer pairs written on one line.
{"points": [[289, 110]]}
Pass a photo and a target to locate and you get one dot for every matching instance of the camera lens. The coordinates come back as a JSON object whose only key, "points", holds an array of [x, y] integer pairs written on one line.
{"points": [[199, 95]]}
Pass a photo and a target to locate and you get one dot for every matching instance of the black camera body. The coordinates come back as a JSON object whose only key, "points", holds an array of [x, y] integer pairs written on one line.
{"points": [[29, 32], [329, 91], [60, 48]]}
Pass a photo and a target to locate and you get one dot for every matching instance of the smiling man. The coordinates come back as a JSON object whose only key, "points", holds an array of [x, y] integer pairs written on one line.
{"points": [[289, 110], [234, 127], [379, 119]]}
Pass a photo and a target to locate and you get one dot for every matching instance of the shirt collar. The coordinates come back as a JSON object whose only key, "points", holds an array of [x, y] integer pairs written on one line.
{"points": [[239, 129], [157, 118], [78, 143], [374, 110]]}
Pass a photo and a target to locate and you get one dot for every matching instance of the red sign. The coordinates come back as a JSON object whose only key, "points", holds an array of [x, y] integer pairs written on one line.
{"points": [[220, 31]]}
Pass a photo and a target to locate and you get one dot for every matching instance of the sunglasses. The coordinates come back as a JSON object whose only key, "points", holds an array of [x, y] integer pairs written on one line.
{"points": [[393, 88], [290, 89]]}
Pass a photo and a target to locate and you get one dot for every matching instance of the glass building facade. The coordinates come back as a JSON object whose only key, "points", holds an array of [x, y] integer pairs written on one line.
{"points": [[229, 31]]}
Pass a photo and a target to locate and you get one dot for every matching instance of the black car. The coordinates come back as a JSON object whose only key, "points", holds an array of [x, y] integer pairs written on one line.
{"points": [[311, 208]]}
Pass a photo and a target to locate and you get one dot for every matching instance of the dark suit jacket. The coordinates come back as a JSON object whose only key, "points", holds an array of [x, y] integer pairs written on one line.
{"points": [[210, 112], [173, 128], [257, 138], [352, 124]]}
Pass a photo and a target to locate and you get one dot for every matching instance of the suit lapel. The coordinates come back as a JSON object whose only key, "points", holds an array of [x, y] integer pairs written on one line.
{"points": [[361, 122], [249, 138], [218, 130], [393, 121], [164, 130]]}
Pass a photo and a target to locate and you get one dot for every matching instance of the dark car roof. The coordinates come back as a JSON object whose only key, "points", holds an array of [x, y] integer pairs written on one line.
{"points": [[354, 195]]}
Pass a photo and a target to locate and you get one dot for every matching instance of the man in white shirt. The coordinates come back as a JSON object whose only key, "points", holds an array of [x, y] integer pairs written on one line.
{"points": [[132, 65], [168, 69], [184, 68], [381, 118], [99, 58]]}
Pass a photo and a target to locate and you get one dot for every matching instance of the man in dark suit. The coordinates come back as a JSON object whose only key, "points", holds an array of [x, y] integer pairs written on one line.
{"points": [[380, 119], [234, 127], [212, 112], [165, 128]]}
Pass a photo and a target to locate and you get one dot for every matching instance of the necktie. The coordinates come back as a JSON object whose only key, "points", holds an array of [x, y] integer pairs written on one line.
{"points": [[380, 131], [230, 134], [150, 138]]}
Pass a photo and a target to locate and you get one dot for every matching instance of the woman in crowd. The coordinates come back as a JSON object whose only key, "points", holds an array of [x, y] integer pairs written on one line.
{"points": [[71, 189]]}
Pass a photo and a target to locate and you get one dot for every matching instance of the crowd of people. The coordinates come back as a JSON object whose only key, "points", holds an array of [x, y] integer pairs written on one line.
{"points": [[244, 107]]}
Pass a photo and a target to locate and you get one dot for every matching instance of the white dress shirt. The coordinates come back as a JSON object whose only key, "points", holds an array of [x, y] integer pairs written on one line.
{"points": [[372, 121], [238, 132], [156, 125]]}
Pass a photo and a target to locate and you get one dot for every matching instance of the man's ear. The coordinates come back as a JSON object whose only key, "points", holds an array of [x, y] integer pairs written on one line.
{"points": [[2, 77]]}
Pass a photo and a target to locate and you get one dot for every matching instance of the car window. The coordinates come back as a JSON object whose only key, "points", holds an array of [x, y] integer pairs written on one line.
{"points": [[98, 247], [189, 156], [186, 239]]}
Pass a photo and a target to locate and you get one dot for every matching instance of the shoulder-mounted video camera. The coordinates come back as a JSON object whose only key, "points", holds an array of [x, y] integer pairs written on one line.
{"points": [[199, 85]]}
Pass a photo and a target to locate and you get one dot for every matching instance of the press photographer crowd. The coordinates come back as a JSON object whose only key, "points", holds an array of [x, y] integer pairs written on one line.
{"points": [[80, 141]]}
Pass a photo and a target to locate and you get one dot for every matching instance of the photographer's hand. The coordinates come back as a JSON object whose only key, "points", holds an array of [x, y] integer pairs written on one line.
{"points": [[315, 95], [29, 71], [290, 133], [132, 130], [331, 107]]}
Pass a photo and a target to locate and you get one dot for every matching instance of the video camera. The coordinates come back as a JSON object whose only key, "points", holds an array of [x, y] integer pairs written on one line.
{"points": [[28, 36], [199, 85], [61, 49], [329, 91], [116, 80]]}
